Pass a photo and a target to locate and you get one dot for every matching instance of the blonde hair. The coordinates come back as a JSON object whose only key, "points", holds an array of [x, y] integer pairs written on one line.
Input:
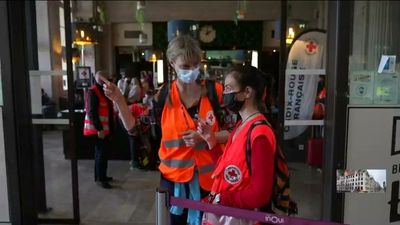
{"points": [[186, 47]]}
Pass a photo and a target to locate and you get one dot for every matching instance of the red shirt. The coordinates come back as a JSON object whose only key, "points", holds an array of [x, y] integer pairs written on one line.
{"points": [[138, 110], [255, 190]]}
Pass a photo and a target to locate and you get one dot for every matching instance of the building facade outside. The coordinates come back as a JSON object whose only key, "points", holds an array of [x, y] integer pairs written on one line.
{"points": [[357, 181]]}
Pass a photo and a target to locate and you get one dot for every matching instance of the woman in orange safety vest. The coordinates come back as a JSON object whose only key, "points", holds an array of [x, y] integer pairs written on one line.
{"points": [[186, 160], [235, 184]]}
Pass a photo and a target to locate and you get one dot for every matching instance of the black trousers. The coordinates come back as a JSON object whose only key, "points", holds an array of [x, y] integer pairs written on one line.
{"points": [[134, 149], [101, 148]]}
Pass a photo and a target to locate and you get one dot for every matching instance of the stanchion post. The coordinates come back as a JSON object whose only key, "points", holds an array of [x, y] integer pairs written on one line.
{"points": [[162, 207]]}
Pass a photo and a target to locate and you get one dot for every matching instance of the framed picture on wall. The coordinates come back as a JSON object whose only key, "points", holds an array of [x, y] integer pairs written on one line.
{"points": [[83, 77]]}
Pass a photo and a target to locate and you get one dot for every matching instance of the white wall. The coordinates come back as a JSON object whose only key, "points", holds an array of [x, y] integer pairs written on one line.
{"points": [[43, 37], [4, 210], [369, 143]]}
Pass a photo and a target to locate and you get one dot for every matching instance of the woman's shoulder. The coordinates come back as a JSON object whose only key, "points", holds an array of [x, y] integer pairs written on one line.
{"points": [[263, 130]]}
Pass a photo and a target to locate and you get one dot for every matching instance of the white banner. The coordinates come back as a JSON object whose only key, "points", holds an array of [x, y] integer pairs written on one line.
{"points": [[307, 53]]}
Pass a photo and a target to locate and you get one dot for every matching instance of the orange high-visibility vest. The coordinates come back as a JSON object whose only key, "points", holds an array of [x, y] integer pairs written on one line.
{"points": [[88, 128], [177, 161]]}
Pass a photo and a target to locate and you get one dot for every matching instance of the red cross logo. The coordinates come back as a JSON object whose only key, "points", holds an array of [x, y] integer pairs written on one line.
{"points": [[232, 173], [311, 47], [211, 117]]}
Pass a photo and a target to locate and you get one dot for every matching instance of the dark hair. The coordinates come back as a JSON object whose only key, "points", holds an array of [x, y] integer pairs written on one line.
{"points": [[250, 76]]}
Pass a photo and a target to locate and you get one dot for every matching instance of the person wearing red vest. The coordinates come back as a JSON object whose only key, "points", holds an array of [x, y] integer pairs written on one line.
{"points": [[187, 160], [234, 185], [98, 127]]}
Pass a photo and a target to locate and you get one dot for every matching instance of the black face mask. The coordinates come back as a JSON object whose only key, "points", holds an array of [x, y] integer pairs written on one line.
{"points": [[231, 103]]}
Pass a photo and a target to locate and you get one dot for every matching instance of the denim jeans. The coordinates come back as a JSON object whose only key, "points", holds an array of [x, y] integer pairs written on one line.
{"points": [[169, 185]]}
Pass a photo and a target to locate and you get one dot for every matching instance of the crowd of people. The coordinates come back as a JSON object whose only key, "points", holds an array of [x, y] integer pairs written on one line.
{"points": [[201, 155]]}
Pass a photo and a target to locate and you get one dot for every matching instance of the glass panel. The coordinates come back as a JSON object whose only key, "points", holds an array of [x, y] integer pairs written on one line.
{"points": [[51, 127], [374, 64], [372, 123], [4, 211], [304, 102]]}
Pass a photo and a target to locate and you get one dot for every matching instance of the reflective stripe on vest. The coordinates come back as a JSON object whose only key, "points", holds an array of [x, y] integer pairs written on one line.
{"points": [[103, 112], [177, 163], [181, 143], [92, 127], [102, 118]]}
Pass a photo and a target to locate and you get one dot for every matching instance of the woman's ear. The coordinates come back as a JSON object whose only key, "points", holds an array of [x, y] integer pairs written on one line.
{"points": [[248, 91]]}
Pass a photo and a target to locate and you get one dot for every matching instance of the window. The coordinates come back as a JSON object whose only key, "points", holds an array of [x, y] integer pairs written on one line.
{"points": [[373, 78]]}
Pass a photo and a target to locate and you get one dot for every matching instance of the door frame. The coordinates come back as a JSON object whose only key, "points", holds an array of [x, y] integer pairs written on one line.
{"points": [[338, 42], [18, 51], [16, 113]]}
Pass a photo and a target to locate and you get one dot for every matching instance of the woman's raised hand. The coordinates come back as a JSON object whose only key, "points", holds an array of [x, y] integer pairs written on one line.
{"points": [[206, 132], [111, 90]]}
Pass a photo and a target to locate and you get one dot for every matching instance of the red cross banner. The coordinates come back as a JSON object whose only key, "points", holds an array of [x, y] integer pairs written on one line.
{"points": [[306, 53]]}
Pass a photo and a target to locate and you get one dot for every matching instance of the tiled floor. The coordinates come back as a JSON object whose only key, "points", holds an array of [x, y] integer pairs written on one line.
{"points": [[132, 200]]}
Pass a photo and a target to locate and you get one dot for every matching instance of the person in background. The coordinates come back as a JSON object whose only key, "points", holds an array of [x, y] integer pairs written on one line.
{"points": [[114, 78], [186, 161], [98, 127], [131, 88], [235, 184], [146, 79], [130, 85]]}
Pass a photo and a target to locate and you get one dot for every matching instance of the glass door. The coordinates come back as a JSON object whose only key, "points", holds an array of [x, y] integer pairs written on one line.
{"points": [[53, 108]]}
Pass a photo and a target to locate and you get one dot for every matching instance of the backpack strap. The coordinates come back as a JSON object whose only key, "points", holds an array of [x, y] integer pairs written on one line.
{"points": [[248, 141], [162, 97], [279, 192]]}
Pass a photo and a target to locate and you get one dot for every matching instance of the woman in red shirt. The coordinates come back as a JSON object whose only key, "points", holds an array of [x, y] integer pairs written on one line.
{"points": [[233, 185]]}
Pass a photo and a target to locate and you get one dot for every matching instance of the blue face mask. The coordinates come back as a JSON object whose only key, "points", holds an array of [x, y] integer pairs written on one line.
{"points": [[188, 76]]}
